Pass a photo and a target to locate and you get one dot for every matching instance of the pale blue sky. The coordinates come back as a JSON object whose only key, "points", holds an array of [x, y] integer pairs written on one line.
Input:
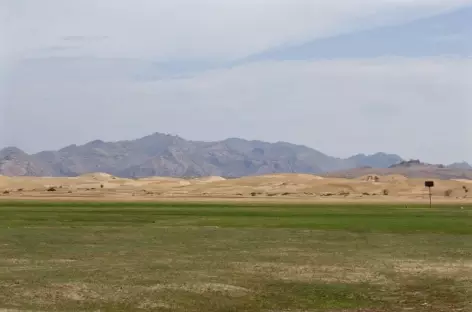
{"points": [[343, 77]]}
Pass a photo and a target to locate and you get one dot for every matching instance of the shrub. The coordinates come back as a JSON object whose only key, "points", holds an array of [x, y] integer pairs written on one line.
{"points": [[448, 193], [385, 192], [52, 189], [327, 194]]}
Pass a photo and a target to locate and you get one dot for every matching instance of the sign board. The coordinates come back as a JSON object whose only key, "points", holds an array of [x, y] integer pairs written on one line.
{"points": [[429, 183]]}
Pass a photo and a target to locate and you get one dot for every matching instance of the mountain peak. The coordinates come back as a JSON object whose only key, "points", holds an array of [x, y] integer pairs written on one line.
{"points": [[95, 143], [11, 151]]}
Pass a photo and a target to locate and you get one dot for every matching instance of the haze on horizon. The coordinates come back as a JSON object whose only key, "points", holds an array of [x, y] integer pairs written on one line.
{"points": [[343, 77]]}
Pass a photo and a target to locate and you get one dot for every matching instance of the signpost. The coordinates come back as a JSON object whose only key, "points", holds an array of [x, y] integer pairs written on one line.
{"points": [[429, 185]]}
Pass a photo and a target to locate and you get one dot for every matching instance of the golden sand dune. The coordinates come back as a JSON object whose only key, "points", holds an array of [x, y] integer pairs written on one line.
{"points": [[102, 185], [209, 179], [97, 176], [464, 181]]}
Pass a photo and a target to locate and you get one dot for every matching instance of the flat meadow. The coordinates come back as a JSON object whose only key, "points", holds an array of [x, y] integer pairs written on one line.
{"points": [[215, 256]]}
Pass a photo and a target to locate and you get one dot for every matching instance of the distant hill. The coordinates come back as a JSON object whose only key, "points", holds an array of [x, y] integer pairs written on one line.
{"points": [[461, 165], [411, 169], [165, 155]]}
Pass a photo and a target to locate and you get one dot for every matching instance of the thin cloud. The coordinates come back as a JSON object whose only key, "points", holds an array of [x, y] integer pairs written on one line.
{"points": [[84, 38]]}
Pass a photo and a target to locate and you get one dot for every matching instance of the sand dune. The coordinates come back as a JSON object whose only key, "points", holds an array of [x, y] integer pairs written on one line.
{"points": [[102, 185], [97, 176]]}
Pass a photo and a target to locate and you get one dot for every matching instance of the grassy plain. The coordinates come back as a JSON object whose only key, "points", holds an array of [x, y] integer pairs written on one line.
{"points": [[144, 256]]}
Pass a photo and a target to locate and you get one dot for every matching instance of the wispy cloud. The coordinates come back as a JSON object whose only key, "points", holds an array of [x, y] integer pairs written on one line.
{"points": [[84, 38], [445, 34]]}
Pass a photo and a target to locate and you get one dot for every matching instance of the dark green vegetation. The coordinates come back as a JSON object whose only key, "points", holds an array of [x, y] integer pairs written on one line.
{"points": [[66, 256]]}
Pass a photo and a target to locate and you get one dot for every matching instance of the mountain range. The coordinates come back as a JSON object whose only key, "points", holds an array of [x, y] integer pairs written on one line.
{"points": [[167, 155]]}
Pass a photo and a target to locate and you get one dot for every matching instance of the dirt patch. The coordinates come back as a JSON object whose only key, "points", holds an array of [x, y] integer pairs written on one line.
{"points": [[73, 291], [14, 261], [460, 270], [147, 304], [61, 261], [307, 273], [201, 288], [59, 291], [16, 310]]}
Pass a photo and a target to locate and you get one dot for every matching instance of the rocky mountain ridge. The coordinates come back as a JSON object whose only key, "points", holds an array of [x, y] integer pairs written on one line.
{"points": [[167, 155]]}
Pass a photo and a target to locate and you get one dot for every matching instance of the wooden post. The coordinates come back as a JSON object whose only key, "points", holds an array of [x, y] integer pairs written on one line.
{"points": [[429, 185]]}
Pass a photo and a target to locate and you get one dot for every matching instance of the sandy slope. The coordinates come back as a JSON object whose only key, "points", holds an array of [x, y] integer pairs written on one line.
{"points": [[273, 187]]}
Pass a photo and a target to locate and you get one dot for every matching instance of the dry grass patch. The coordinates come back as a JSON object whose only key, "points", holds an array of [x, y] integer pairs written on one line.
{"points": [[58, 292], [153, 306]]}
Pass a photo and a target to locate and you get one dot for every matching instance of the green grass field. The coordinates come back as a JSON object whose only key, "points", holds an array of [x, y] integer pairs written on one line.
{"points": [[66, 256]]}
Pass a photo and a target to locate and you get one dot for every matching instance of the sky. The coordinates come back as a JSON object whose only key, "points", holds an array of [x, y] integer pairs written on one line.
{"points": [[343, 77]]}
